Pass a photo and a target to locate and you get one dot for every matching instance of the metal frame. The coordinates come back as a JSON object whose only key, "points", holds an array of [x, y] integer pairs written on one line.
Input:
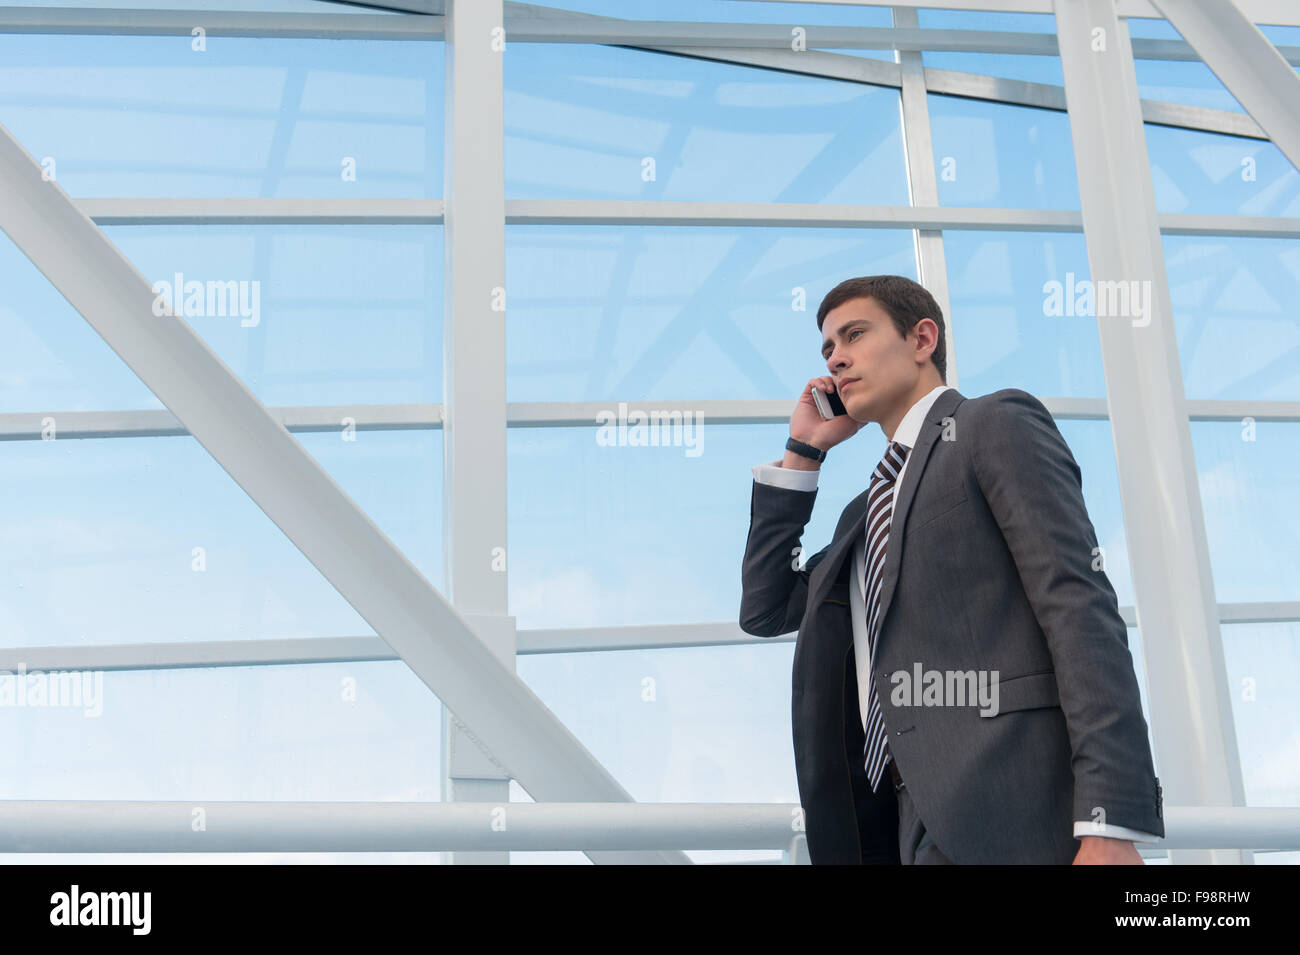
{"points": [[126, 826], [474, 378], [474, 647]]}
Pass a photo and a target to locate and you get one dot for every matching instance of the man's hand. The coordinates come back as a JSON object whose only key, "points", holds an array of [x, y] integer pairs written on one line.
{"points": [[807, 424], [1097, 850]]}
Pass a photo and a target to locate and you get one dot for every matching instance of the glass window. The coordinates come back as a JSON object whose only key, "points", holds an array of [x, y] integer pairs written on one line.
{"points": [[1234, 313], [595, 122], [152, 116], [1013, 300], [1000, 156], [321, 732], [1215, 174], [1263, 661], [1183, 81], [626, 313], [142, 540], [1250, 480], [303, 314]]}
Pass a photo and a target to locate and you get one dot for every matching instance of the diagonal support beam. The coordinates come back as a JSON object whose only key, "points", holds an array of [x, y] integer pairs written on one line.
{"points": [[1245, 62], [515, 728]]}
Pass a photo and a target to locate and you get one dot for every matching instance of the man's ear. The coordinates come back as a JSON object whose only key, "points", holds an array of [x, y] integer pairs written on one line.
{"points": [[916, 328]]}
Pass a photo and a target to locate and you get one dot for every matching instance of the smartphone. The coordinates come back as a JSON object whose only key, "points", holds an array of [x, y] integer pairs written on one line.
{"points": [[830, 405]]}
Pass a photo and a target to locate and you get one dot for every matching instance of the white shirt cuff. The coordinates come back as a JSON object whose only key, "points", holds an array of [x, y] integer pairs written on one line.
{"points": [[791, 478], [1112, 832]]}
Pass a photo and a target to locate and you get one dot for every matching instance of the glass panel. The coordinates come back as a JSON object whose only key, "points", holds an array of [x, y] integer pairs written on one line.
{"points": [[1000, 156], [141, 540], [595, 122], [326, 315], [1249, 475], [1214, 174], [636, 312], [575, 506], [1234, 312], [1013, 315], [1263, 667], [697, 724], [150, 116], [336, 731], [1183, 81], [1093, 448]]}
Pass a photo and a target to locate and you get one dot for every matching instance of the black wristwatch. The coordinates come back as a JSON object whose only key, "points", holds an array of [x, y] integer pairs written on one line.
{"points": [[805, 450]]}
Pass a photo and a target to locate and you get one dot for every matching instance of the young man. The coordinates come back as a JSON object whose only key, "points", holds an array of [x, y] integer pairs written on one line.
{"points": [[969, 554]]}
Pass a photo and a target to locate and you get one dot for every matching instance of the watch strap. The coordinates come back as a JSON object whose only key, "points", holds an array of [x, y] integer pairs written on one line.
{"points": [[805, 450]]}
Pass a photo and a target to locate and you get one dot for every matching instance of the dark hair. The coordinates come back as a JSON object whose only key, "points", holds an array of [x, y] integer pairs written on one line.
{"points": [[903, 300]]}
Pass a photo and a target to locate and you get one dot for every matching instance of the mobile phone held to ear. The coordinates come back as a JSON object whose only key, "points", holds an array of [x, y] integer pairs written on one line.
{"points": [[830, 405]]}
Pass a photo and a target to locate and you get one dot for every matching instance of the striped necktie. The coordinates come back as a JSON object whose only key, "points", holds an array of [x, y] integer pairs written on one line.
{"points": [[880, 499]]}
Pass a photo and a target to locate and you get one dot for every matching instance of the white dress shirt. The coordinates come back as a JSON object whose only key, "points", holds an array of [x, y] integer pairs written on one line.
{"points": [[795, 480]]}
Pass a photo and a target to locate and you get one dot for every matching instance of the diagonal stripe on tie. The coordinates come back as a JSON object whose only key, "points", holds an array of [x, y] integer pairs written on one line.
{"points": [[880, 498]]}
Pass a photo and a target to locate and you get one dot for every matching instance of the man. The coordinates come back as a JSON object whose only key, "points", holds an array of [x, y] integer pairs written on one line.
{"points": [[970, 553]]}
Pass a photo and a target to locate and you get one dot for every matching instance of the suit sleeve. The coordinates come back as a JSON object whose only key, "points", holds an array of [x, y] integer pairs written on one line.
{"points": [[773, 593], [1034, 489]]}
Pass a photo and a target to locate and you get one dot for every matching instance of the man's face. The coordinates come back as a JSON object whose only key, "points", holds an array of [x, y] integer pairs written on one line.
{"points": [[861, 342]]}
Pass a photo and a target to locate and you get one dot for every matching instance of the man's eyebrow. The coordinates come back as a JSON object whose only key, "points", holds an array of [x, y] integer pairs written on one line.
{"points": [[842, 329]]}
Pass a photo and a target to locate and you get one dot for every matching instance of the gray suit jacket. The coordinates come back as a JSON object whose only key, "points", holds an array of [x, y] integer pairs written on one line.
{"points": [[989, 567]]}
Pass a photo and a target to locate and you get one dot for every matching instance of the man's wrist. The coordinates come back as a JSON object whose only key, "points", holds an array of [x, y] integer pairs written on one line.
{"points": [[802, 455], [797, 462]]}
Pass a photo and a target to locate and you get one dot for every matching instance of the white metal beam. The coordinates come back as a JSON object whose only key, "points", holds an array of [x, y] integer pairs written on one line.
{"points": [[30, 426], [1247, 64], [1191, 712], [290, 486], [923, 185], [217, 23], [474, 374], [62, 826], [640, 212]]}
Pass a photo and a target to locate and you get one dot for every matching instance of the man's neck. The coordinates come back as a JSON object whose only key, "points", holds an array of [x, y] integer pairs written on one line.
{"points": [[923, 388]]}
